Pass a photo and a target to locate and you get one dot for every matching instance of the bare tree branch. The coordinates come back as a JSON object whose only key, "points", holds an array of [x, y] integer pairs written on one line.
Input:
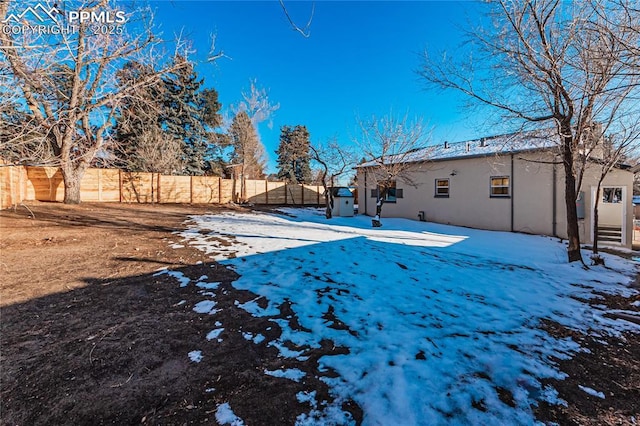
{"points": [[305, 32]]}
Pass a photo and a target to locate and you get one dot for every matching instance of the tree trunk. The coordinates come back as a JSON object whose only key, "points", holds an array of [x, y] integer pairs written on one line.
{"points": [[328, 201], [595, 219], [573, 234], [375, 222], [71, 186]]}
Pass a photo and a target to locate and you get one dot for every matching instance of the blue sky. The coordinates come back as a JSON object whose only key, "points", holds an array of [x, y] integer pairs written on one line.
{"points": [[360, 60]]}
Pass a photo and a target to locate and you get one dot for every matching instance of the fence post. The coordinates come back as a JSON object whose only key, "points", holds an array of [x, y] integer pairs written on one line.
{"points": [[22, 181], [243, 193], [220, 190], [11, 197], [318, 194], [302, 195], [266, 191], [120, 184], [285, 194], [191, 189], [158, 194]]}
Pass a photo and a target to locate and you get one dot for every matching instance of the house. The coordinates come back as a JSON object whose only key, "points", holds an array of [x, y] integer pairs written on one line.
{"points": [[505, 183]]}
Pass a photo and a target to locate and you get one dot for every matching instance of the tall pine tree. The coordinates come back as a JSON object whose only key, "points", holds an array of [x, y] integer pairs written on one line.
{"points": [[141, 143], [293, 154], [187, 113]]}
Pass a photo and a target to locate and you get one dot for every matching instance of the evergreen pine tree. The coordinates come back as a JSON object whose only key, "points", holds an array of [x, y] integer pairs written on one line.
{"points": [[165, 126], [138, 125], [187, 113], [293, 154]]}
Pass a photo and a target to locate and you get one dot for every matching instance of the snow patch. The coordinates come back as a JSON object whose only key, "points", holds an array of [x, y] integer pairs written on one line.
{"points": [[309, 397], [182, 278], [195, 356], [591, 391], [257, 339], [214, 334], [291, 374], [284, 351], [206, 307], [208, 286], [226, 416]]}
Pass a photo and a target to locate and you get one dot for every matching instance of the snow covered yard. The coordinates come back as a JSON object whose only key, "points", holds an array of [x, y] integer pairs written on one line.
{"points": [[440, 323]]}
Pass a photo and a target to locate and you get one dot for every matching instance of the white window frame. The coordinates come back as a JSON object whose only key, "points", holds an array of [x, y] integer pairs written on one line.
{"points": [[438, 187], [492, 186]]}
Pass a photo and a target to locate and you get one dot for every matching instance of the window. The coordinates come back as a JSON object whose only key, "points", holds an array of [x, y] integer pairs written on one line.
{"points": [[499, 186], [612, 195], [442, 188], [393, 193]]}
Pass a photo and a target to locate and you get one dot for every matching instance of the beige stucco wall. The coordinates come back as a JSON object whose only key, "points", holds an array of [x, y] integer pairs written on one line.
{"points": [[609, 214], [530, 208]]}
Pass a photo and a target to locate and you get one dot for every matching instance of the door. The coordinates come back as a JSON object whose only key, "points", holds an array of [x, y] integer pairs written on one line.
{"points": [[611, 214]]}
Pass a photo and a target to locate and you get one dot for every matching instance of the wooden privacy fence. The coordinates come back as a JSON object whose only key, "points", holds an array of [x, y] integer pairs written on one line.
{"points": [[18, 183]]}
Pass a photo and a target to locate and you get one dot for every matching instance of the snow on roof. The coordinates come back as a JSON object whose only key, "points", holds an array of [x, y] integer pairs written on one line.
{"points": [[503, 144], [341, 192]]}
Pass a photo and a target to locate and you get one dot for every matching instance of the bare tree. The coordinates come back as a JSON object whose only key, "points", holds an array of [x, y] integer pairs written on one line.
{"points": [[256, 104], [65, 82], [334, 160], [159, 152], [249, 153], [388, 145], [549, 62]]}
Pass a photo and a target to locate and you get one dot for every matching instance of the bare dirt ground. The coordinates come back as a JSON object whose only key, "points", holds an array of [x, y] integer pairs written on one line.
{"points": [[90, 336]]}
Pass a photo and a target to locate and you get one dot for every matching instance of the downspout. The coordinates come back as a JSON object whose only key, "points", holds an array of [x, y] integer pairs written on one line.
{"points": [[512, 191], [553, 204], [364, 193]]}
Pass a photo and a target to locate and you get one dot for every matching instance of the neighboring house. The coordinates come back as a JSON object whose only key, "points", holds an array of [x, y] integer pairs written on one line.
{"points": [[506, 183]]}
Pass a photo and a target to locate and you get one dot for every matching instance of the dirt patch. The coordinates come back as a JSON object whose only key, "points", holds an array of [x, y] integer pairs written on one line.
{"points": [[91, 334], [609, 365]]}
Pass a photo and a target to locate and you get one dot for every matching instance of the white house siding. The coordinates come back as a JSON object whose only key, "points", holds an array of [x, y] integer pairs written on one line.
{"points": [[469, 203]]}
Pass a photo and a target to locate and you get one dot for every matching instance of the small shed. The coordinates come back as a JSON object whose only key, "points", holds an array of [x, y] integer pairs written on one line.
{"points": [[343, 201]]}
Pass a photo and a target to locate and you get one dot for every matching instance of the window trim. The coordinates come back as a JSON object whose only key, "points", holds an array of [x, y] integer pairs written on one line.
{"points": [[492, 186], [436, 187]]}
